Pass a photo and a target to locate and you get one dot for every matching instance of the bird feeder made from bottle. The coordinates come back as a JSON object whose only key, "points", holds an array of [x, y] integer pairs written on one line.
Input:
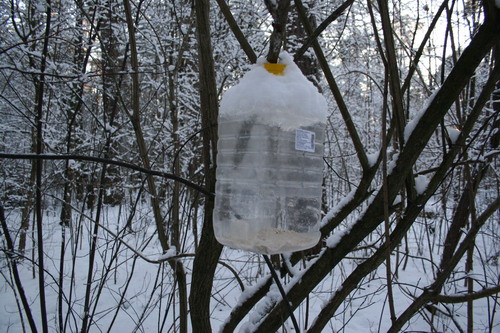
{"points": [[270, 161]]}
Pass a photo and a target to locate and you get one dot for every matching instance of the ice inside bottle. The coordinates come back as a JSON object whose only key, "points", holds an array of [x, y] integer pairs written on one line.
{"points": [[270, 161]]}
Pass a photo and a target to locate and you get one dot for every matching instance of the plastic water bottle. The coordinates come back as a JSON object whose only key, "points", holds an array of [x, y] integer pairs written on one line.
{"points": [[270, 162]]}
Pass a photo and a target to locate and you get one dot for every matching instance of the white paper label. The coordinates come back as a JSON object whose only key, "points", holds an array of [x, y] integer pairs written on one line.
{"points": [[304, 140]]}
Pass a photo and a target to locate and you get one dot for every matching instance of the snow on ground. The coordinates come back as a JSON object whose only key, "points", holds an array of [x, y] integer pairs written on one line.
{"points": [[366, 309]]}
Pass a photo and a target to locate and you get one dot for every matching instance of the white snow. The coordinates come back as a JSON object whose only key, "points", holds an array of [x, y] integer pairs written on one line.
{"points": [[367, 301], [421, 183], [250, 290], [392, 163], [491, 153], [267, 96], [286, 260], [453, 133], [172, 252], [336, 236], [413, 123], [338, 207], [397, 200], [256, 315], [372, 159]]}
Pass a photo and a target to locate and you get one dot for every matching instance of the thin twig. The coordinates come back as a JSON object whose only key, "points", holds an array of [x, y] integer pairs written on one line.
{"points": [[39, 95], [233, 25], [282, 291], [15, 272], [108, 161], [312, 37], [467, 297], [351, 128]]}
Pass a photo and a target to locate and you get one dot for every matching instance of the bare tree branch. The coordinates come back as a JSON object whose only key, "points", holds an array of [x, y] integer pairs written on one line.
{"points": [[351, 128], [480, 45], [15, 271], [466, 298], [312, 37], [279, 12], [226, 11], [208, 252], [432, 291], [109, 161]]}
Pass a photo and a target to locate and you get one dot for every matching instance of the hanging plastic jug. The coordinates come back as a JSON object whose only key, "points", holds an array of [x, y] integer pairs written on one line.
{"points": [[270, 161]]}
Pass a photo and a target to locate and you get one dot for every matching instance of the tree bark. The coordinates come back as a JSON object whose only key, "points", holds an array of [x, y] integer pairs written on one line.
{"points": [[279, 11], [209, 249], [39, 165]]}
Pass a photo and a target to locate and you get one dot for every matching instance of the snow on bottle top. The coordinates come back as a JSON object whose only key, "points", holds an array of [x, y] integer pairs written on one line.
{"points": [[267, 97]]}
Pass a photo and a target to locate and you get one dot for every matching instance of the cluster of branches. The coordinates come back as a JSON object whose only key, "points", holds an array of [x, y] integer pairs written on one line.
{"points": [[399, 179], [470, 86]]}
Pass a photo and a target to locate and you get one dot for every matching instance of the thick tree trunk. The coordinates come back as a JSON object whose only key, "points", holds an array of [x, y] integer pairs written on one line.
{"points": [[209, 249]]}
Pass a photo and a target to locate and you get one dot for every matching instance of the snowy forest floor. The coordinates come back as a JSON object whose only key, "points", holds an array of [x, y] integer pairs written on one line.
{"points": [[130, 294]]}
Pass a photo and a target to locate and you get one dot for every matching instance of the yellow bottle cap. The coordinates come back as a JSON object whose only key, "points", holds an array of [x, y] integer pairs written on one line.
{"points": [[276, 69]]}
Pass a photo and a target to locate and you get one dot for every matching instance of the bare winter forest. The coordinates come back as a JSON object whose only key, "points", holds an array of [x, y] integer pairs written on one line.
{"points": [[108, 131]]}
